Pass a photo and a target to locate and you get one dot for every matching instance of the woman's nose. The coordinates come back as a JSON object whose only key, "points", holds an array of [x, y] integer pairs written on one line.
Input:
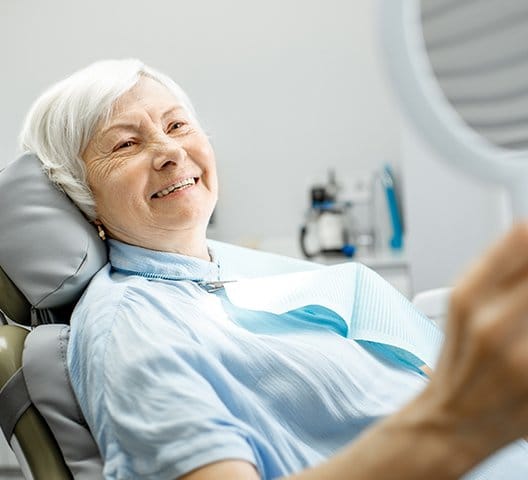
{"points": [[167, 152]]}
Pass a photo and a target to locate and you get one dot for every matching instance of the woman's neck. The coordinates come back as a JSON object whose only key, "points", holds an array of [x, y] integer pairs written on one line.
{"points": [[191, 243]]}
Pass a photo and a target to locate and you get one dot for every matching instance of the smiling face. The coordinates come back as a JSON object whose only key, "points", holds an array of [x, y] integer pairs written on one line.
{"points": [[152, 172]]}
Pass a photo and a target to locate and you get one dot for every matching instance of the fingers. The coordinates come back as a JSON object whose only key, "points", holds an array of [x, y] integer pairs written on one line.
{"points": [[481, 375]]}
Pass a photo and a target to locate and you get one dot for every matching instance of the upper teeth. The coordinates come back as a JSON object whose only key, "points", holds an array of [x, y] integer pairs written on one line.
{"points": [[183, 183]]}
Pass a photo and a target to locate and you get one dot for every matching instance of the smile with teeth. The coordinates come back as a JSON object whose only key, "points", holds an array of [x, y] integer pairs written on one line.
{"points": [[186, 183]]}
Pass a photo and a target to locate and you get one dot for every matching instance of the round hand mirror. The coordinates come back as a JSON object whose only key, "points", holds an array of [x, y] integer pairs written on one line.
{"points": [[460, 70]]}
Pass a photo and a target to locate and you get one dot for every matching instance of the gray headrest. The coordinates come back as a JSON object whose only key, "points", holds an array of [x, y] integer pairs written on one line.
{"points": [[47, 247]]}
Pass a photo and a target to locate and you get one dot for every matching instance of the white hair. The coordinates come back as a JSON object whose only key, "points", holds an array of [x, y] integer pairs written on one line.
{"points": [[61, 122]]}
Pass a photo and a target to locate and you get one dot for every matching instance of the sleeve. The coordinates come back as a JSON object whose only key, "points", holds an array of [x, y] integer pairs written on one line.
{"points": [[163, 402]]}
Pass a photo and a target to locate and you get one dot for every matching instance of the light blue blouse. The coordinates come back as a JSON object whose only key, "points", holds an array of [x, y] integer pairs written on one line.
{"points": [[172, 376]]}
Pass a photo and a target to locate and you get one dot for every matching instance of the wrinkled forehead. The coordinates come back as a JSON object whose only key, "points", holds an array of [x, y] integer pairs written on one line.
{"points": [[147, 94]]}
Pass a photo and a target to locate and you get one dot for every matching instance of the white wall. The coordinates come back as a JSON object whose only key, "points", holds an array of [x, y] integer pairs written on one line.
{"points": [[451, 218], [286, 88]]}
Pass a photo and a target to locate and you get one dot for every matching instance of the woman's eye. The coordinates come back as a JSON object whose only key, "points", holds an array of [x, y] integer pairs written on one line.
{"points": [[126, 144], [177, 125]]}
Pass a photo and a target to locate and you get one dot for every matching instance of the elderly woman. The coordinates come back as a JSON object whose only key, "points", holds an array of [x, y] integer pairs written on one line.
{"points": [[177, 382]]}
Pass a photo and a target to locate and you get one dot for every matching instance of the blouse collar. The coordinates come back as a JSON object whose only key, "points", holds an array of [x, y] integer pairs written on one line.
{"points": [[135, 260]]}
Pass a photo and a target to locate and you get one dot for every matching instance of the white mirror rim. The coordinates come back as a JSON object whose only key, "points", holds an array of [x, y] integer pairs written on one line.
{"points": [[425, 104]]}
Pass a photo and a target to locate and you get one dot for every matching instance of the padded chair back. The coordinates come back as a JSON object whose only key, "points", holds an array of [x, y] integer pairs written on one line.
{"points": [[48, 385]]}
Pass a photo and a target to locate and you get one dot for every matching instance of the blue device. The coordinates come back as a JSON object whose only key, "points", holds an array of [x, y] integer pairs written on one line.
{"points": [[387, 181]]}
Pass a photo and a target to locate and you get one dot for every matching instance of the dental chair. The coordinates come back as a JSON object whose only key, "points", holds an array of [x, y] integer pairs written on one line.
{"points": [[48, 254]]}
